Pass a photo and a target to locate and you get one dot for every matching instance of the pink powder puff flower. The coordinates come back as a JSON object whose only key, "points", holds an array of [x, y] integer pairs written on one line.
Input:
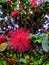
{"points": [[2, 38], [20, 40]]}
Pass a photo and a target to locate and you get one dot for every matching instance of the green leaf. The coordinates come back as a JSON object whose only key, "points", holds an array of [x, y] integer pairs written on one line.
{"points": [[11, 55], [4, 63], [0, 63], [45, 44], [47, 63], [42, 35], [38, 40], [20, 55], [22, 60], [33, 35]]}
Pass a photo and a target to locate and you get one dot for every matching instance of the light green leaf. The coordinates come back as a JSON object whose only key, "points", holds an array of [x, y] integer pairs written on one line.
{"points": [[22, 60], [38, 40], [45, 44]]}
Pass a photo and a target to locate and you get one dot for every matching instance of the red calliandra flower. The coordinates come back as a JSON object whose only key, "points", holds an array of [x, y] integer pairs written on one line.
{"points": [[11, 60], [33, 6], [10, 33], [20, 40], [14, 13], [33, 1], [8, 0], [2, 38]]}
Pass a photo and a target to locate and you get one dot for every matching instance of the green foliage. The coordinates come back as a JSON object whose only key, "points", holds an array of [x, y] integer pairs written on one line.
{"points": [[36, 38], [3, 63], [36, 55], [45, 44]]}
